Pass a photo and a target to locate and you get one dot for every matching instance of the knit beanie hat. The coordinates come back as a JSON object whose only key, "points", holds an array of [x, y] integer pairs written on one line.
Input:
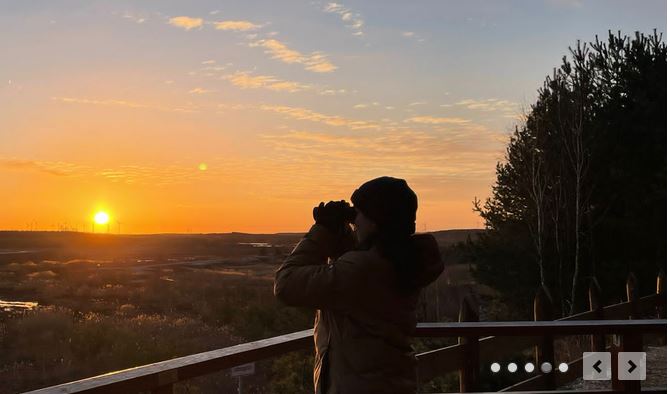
{"points": [[389, 202]]}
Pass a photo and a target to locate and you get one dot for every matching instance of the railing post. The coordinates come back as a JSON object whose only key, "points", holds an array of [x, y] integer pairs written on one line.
{"points": [[632, 293], [543, 309], [660, 290], [595, 304], [628, 340], [168, 389], [631, 342], [166, 381], [468, 374]]}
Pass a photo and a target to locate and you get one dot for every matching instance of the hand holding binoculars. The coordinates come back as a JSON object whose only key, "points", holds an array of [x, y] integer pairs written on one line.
{"points": [[334, 215]]}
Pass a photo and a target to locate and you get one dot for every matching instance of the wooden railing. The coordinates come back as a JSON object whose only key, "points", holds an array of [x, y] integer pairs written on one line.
{"points": [[478, 342], [473, 349]]}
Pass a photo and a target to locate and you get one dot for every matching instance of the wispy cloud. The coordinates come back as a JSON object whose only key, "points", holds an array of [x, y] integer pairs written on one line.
{"points": [[488, 105], [413, 35], [199, 91], [332, 92], [57, 168], [331, 120], [246, 80], [316, 61], [170, 174], [439, 157], [134, 18], [236, 25], [186, 22], [366, 105], [352, 20], [163, 175], [123, 103], [437, 120]]}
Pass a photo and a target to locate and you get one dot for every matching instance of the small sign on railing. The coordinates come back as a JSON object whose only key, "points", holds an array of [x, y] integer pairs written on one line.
{"points": [[243, 370]]}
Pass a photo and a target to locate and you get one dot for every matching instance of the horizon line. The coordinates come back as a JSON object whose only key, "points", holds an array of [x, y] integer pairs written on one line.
{"points": [[201, 233]]}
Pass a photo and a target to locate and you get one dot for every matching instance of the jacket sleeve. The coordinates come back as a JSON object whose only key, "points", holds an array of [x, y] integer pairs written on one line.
{"points": [[306, 279]]}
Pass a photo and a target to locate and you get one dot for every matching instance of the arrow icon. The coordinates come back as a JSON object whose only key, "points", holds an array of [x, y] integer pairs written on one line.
{"points": [[632, 366], [596, 366]]}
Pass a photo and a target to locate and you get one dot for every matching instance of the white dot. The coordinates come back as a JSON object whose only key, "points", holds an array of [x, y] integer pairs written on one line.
{"points": [[546, 367], [511, 367], [563, 367], [529, 367], [495, 367]]}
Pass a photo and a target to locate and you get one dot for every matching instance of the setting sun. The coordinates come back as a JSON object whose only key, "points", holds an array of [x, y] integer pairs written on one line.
{"points": [[101, 218]]}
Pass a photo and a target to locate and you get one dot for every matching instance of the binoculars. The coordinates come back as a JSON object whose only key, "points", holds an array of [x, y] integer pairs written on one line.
{"points": [[335, 212]]}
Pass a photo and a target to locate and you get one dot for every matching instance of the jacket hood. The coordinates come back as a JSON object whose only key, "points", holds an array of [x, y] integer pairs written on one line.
{"points": [[427, 259]]}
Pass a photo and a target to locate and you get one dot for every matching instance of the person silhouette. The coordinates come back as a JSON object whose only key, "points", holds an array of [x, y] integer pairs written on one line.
{"points": [[365, 286]]}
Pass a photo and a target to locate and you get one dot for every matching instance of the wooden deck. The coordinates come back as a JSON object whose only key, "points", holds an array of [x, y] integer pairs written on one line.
{"points": [[478, 342]]}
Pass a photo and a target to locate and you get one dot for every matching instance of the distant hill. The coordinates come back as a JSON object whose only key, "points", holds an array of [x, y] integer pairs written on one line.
{"points": [[63, 244], [53, 244], [449, 237]]}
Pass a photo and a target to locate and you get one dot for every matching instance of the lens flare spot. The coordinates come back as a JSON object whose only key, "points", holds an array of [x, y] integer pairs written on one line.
{"points": [[202, 166]]}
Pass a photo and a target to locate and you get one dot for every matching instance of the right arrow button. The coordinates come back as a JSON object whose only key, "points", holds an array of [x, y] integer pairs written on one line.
{"points": [[632, 365]]}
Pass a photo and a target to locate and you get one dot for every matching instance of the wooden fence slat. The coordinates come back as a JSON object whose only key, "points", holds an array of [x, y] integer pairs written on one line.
{"points": [[632, 293], [633, 300], [468, 372], [168, 389], [543, 310], [595, 304], [660, 292]]}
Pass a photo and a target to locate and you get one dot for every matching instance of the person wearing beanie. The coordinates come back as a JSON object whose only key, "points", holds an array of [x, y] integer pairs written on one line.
{"points": [[364, 285]]}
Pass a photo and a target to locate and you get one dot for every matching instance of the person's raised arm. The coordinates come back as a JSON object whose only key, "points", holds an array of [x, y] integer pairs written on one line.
{"points": [[307, 279]]}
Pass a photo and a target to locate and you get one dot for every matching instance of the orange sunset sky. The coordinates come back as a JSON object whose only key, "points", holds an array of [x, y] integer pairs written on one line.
{"points": [[211, 116]]}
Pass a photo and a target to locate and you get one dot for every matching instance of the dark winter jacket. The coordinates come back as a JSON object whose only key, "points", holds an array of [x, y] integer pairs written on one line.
{"points": [[363, 323]]}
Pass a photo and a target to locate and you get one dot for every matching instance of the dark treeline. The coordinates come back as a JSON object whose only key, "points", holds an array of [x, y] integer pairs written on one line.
{"points": [[582, 191]]}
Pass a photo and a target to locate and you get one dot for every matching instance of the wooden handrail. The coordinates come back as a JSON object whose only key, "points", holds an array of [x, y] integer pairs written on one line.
{"points": [[538, 328], [166, 373]]}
